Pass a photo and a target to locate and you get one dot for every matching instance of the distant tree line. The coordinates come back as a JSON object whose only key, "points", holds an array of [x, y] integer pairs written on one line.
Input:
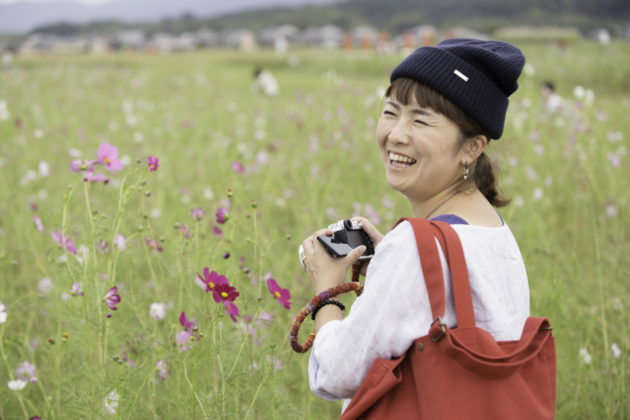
{"points": [[396, 16]]}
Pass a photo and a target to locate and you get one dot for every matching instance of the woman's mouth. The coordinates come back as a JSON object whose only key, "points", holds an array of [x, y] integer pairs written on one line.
{"points": [[400, 161]]}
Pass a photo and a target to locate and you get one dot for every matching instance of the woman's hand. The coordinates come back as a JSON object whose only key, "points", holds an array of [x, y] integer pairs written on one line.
{"points": [[323, 270]]}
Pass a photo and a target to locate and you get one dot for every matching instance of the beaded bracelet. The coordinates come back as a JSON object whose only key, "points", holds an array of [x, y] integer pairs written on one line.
{"points": [[354, 286], [324, 303]]}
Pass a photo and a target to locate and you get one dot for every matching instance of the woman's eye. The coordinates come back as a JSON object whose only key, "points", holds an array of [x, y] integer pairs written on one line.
{"points": [[421, 122], [389, 113]]}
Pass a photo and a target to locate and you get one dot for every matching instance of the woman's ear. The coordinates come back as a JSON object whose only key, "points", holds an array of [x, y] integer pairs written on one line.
{"points": [[474, 147]]}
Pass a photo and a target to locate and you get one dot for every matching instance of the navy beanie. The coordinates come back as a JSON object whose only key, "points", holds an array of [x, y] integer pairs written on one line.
{"points": [[477, 76]]}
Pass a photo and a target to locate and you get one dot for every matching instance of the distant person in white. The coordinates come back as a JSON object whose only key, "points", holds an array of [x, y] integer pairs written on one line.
{"points": [[265, 83], [442, 108]]}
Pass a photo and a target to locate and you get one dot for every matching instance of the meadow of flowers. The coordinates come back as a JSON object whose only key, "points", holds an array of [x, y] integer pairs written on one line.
{"points": [[151, 208]]}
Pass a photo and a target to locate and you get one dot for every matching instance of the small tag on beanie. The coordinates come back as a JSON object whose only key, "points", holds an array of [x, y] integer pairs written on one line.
{"points": [[460, 75]]}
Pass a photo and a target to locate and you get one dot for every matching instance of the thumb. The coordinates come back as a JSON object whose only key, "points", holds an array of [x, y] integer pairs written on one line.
{"points": [[354, 255]]}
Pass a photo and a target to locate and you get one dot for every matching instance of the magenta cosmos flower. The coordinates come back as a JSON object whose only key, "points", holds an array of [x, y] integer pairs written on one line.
{"points": [[112, 298], [281, 295], [231, 309], [212, 279], [63, 241], [238, 167], [224, 292], [108, 156], [222, 215], [152, 161]]}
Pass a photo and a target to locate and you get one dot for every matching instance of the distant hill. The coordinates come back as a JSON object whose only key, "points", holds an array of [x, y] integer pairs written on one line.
{"points": [[25, 16], [393, 15]]}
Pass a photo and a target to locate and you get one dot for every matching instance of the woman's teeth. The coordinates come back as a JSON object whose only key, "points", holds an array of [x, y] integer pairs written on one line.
{"points": [[400, 160]]}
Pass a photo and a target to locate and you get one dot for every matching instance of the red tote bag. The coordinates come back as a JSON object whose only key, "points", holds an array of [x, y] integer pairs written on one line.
{"points": [[460, 373]]}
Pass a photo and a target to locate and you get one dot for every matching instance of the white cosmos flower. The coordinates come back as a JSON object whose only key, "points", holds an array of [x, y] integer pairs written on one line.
{"points": [[157, 311], [3, 313], [17, 385], [46, 285], [586, 356], [44, 168], [111, 402], [616, 350]]}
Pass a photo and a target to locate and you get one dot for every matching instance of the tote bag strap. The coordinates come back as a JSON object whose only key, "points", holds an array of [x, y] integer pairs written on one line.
{"points": [[462, 295], [430, 262]]}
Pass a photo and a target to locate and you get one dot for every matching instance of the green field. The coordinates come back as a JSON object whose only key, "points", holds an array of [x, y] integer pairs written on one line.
{"points": [[309, 158]]}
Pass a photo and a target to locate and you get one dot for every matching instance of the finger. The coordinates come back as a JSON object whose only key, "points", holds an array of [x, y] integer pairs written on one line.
{"points": [[354, 255]]}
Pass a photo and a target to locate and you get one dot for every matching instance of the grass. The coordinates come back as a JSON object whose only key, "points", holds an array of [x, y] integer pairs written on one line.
{"points": [[310, 159]]}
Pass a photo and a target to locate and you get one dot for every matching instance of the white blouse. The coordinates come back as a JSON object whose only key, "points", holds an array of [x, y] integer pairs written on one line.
{"points": [[394, 308]]}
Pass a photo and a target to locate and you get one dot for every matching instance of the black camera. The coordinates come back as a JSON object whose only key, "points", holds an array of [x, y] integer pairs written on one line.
{"points": [[347, 235]]}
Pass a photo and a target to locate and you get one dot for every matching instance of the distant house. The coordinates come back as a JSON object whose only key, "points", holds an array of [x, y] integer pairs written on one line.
{"points": [[329, 37], [130, 39], [206, 38], [364, 36], [241, 39], [278, 37], [98, 45]]}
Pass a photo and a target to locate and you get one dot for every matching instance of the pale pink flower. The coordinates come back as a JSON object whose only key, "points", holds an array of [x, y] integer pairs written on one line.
{"points": [[108, 155], [120, 242], [38, 223], [63, 241], [238, 167]]}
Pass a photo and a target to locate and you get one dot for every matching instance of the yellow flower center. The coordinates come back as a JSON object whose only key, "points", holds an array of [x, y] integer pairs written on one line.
{"points": [[277, 294], [224, 294], [107, 160], [211, 285]]}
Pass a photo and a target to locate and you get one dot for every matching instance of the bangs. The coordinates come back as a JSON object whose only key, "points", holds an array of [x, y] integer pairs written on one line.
{"points": [[404, 90]]}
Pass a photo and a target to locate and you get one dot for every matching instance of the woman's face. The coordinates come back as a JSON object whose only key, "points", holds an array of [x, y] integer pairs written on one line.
{"points": [[419, 149]]}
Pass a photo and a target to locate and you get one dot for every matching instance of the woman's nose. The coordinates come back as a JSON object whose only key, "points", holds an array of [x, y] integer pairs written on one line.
{"points": [[400, 133]]}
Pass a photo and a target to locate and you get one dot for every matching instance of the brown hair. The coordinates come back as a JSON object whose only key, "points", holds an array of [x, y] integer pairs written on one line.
{"points": [[401, 90]]}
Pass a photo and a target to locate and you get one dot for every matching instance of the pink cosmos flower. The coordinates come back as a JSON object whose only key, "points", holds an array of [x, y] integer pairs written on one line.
{"points": [[152, 161], [231, 309], [614, 160], [82, 165], [26, 372], [108, 155], [112, 298], [222, 215], [281, 295], [238, 167], [186, 323], [89, 176], [217, 231], [152, 244], [183, 340], [184, 231], [120, 242], [197, 213], [76, 290], [212, 279], [64, 242], [184, 337], [38, 223], [224, 292], [162, 368]]}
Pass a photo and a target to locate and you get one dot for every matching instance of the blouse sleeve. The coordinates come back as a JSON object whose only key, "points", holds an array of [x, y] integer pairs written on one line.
{"points": [[382, 323]]}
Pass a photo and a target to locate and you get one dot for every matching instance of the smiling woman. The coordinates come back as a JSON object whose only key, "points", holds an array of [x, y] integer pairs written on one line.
{"points": [[442, 108]]}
